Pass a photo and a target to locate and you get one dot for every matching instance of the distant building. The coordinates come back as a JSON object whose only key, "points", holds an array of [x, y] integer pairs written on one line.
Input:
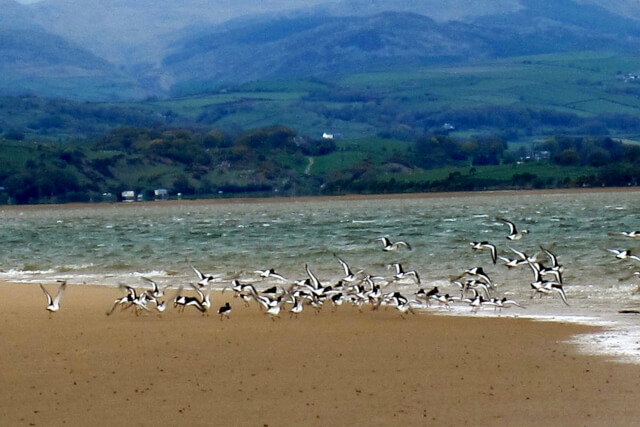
{"points": [[161, 194], [326, 135], [129, 196], [541, 155]]}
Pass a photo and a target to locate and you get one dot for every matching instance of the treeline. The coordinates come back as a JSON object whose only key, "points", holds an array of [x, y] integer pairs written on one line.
{"points": [[607, 162], [388, 115], [185, 161], [193, 148], [276, 160]]}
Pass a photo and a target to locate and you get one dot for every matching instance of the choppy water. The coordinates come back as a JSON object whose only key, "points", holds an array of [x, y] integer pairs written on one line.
{"points": [[112, 244]]}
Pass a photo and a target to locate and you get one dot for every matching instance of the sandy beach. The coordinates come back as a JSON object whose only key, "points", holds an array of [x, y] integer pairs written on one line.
{"points": [[81, 367]]}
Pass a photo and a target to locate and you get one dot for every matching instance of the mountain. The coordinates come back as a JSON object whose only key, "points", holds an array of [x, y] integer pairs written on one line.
{"points": [[36, 61], [125, 30], [438, 10], [318, 46], [324, 45], [119, 49]]}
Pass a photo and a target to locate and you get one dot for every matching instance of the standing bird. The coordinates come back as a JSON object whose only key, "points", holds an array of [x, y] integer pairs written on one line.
{"points": [[53, 304], [392, 246], [225, 310], [514, 234]]}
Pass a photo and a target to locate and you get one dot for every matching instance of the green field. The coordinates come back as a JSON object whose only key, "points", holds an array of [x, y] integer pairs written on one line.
{"points": [[399, 104], [584, 84]]}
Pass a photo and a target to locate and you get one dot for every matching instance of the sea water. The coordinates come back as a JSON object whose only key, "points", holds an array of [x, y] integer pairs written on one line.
{"points": [[113, 244]]}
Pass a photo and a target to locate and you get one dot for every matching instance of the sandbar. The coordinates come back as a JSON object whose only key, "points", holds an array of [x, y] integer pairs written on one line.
{"points": [[80, 367]]}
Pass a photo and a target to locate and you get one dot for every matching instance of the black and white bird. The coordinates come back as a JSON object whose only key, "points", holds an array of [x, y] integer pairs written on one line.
{"points": [[478, 273], [314, 282], [349, 276], [524, 257], [504, 302], [270, 272], [542, 287], [125, 301], [479, 246], [243, 290], [476, 303], [555, 269], [427, 296], [53, 304], [225, 310], [444, 300], [297, 307], [514, 234], [624, 254], [203, 279], [512, 263], [156, 291], [401, 274], [274, 307], [182, 301], [632, 234], [388, 245]]}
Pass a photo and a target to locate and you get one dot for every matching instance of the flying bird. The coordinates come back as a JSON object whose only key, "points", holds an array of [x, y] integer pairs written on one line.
{"points": [[514, 234], [478, 246], [624, 254], [388, 245], [53, 304]]}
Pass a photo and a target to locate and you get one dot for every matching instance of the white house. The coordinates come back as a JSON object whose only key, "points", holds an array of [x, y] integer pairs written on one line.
{"points": [[129, 196]]}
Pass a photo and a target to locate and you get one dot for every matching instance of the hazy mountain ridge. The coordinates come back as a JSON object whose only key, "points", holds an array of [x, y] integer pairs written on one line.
{"points": [[322, 47], [332, 45], [144, 47]]}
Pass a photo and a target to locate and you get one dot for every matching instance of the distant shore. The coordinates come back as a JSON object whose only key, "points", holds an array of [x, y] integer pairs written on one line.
{"points": [[341, 367], [346, 197]]}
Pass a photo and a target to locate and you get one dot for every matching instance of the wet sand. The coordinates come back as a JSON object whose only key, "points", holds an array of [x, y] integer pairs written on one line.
{"points": [[80, 367], [346, 197]]}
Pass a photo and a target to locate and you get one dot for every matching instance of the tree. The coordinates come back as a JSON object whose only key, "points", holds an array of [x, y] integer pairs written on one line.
{"points": [[182, 185], [567, 157]]}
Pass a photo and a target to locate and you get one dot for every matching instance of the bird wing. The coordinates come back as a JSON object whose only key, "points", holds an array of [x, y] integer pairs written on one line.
{"points": [[492, 248], [154, 284], [63, 286], [552, 257], [512, 226], [49, 300], [314, 280], [403, 243], [345, 266], [198, 272]]}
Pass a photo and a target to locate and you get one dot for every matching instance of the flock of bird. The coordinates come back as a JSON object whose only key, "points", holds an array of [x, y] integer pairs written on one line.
{"points": [[358, 288]]}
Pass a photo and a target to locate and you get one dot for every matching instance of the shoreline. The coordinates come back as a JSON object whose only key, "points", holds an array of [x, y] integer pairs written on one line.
{"points": [[337, 367], [346, 197]]}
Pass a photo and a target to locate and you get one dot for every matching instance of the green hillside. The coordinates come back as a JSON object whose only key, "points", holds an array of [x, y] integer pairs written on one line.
{"points": [[389, 134], [525, 96]]}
